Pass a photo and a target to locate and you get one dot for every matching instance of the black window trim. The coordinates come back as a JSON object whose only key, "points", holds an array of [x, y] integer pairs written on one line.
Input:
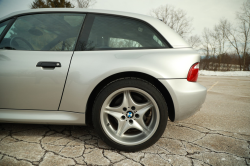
{"points": [[89, 22], [85, 31], [6, 29], [82, 30]]}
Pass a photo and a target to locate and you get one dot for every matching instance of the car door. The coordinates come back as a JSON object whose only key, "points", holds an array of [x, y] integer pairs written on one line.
{"points": [[35, 55]]}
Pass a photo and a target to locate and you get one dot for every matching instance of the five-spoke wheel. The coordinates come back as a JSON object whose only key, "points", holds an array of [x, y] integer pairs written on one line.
{"points": [[130, 114], [130, 122]]}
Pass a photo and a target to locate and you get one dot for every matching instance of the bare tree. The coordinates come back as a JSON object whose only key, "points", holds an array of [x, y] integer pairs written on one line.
{"points": [[194, 41], [206, 48], [208, 42], [244, 29], [216, 43], [232, 36], [220, 32], [176, 19], [85, 3], [219, 39]]}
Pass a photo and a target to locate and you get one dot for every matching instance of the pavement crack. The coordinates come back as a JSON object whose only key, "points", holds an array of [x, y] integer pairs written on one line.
{"points": [[180, 125], [199, 138], [209, 150], [246, 162], [192, 162], [40, 143], [200, 161], [142, 157], [211, 132], [163, 149], [105, 156], [128, 157], [164, 159], [184, 146], [1, 156], [15, 158], [4, 137], [19, 140], [211, 129]]}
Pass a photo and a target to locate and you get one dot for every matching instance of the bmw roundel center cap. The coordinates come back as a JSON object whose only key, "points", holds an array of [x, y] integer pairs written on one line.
{"points": [[129, 114]]}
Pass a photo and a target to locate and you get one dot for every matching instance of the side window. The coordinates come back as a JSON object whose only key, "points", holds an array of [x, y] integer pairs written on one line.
{"points": [[113, 32], [3, 25], [44, 32]]}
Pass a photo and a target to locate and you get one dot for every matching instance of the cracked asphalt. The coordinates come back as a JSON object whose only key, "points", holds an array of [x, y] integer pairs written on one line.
{"points": [[219, 134]]}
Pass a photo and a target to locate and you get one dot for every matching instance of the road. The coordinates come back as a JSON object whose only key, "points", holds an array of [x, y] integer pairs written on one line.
{"points": [[219, 134]]}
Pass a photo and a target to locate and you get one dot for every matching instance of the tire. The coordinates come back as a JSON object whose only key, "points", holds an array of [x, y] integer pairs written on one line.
{"points": [[130, 114]]}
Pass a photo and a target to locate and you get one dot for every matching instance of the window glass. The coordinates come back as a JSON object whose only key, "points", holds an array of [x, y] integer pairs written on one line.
{"points": [[158, 40], [3, 25], [112, 32], [123, 43], [44, 32]]}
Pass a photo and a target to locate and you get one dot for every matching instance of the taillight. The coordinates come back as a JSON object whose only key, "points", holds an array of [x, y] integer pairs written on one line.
{"points": [[193, 73]]}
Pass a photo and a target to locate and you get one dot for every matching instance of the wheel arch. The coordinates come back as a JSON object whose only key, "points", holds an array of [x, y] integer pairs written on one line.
{"points": [[146, 77]]}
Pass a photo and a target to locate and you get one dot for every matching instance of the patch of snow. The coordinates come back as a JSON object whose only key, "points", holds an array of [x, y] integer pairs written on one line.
{"points": [[224, 73]]}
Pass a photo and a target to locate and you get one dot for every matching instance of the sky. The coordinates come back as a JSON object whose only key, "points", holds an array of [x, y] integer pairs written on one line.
{"points": [[205, 13]]}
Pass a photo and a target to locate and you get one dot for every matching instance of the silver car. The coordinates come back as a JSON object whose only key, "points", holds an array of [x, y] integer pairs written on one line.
{"points": [[123, 73]]}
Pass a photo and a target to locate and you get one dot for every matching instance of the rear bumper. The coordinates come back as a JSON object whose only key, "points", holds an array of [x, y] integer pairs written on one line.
{"points": [[187, 97]]}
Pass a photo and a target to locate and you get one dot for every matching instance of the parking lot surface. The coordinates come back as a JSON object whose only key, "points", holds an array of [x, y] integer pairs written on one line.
{"points": [[219, 134]]}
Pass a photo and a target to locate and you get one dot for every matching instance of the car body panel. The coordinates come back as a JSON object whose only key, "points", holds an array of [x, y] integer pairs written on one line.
{"points": [[172, 37], [89, 68], [25, 86], [188, 97], [41, 117]]}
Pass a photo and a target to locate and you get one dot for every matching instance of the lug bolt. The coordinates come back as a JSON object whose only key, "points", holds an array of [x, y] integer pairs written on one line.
{"points": [[133, 107], [137, 115], [131, 121], [123, 117], [124, 109]]}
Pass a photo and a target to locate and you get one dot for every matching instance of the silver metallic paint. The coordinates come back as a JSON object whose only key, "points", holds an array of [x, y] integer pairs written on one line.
{"points": [[187, 96], [41, 117], [25, 86], [89, 68]]}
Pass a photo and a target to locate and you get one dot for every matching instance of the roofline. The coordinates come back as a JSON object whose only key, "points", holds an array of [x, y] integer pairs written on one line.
{"points": [[80, 10]]}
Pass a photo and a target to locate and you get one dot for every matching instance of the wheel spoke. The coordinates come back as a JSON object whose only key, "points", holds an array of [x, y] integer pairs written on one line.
{"points": [[127, 99], [113, 113], [140, 125], [123, 126], [114, 109], [143, 108]]}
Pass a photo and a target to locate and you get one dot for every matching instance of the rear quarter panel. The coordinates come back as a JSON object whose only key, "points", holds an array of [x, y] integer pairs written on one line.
{"points": [[89, 68]]}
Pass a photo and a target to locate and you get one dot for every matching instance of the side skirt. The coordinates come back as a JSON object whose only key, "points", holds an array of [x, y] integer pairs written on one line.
{"points": [[41, 117]]}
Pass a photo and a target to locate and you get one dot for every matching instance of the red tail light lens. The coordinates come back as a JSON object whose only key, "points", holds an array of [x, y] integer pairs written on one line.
{"points": [[193, 73]]}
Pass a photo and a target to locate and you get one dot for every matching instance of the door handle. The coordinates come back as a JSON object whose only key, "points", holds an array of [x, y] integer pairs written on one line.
{"points": [[48, 64]]}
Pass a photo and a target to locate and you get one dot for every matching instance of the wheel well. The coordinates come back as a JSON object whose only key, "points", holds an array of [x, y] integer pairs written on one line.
{"points": [[146, 77]]}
